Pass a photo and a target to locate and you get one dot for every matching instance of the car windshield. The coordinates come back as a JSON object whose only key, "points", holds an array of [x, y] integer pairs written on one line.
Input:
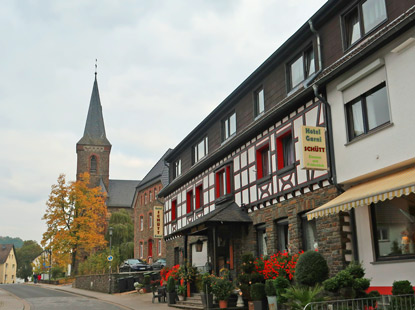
{"points": [[135, 261], [161, 260]]}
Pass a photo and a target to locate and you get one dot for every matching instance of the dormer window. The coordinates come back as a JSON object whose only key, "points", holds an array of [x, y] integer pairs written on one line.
{"points": [[200, 150], [361, 19], [259, 102], [177, 168], [228, 126], [93, 164], [301, 68]]}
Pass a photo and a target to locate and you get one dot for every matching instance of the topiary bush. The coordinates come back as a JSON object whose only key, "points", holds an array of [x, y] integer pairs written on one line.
{"points": [[256, 278], [270, 288], [258, 291], [281, 285], [171, 285], [356, 270], [402, 288], [248, 265], [311, 269]]}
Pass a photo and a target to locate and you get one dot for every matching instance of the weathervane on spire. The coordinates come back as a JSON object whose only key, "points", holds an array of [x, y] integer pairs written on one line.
{"points": [[96, 66]]}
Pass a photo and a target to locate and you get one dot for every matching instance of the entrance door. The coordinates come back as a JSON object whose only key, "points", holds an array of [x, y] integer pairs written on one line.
{"points": [[150, 249]]}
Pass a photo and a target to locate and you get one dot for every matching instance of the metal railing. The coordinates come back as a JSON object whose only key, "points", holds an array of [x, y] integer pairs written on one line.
{"points": [[384, 302]]}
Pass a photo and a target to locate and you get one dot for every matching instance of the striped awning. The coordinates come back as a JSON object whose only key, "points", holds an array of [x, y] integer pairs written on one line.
{"points": [[380, 189]]}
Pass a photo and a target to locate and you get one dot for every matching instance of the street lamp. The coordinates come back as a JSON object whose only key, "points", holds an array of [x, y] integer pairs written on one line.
{"points": [[110, 233]]}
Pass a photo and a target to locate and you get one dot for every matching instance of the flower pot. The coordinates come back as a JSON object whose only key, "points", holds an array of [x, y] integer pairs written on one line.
{"points": [[258, 304], [250, 305], [181, 298], [171, 298], [223, 304], [272, 302]]}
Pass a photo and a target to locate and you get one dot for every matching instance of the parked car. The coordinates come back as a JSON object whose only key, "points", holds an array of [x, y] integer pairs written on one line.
{"points": [[134, 264], [159, 264]]}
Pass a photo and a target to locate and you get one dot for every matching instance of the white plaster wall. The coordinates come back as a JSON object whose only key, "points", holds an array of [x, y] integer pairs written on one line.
{"points": [[390, 145], [199, 259], [382, 274]]}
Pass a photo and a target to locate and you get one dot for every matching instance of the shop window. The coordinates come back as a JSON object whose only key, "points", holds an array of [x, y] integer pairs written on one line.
{"points": [[285, 150], [262, 162], [93, 164], [199, 196], [309, 230], [229, 126], [189, 201], [177, 168], [283, 236], [259, 102], [223, 181], [200, 150], [261, 240], [394, 228], [367, 112], [362, 18], [301, 68], [173, 210]]}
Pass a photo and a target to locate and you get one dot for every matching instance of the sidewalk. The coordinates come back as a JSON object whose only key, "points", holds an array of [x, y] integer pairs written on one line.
{"points": [[129, 300], [10, 302]]}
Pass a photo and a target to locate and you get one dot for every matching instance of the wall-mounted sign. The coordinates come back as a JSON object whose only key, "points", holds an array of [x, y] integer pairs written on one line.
{"points": [[158, 222], [313, 149]]}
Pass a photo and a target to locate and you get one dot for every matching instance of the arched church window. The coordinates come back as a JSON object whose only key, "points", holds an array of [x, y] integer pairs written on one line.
{"points": [[93, 166]]}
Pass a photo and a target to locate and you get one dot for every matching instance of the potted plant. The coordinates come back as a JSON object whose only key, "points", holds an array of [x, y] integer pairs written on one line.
{"points": [[206, 290], [188, 274], [258, 295], [281, 284], [181, 291], [222, 287], [138, 286], [271, 294], [171, 290]]}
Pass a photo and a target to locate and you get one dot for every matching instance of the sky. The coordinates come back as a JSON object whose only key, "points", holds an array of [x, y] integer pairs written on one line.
{"points": [[163, 66]]}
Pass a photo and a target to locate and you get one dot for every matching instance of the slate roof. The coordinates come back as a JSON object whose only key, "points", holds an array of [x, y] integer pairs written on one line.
{"points": [[4, 252], [229, 212], [160, 171], [121, 192], [94, 133]]}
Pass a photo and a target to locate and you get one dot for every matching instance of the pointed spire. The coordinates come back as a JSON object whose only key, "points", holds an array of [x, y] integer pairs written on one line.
{"points": [[94, 133]]}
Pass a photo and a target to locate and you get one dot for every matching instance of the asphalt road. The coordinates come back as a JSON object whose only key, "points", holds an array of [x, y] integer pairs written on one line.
{"points": [[45, 299]]}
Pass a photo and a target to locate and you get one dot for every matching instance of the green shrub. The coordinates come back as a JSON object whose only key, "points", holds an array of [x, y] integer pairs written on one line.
{"points": [[171, 285], [311, 269], [331, 285], [258, 291], [246, 291], [402, 288], [299, 296], [207, 282], [356, 270], [373, 294], [270, 288], [281, 284], [147, 279], [248, 263], [244, 278], [361, 284], [344, 279]]}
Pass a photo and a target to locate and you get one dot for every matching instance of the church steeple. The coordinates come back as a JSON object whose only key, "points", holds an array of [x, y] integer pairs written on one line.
{"points": [[94, 133], [93, 150]]}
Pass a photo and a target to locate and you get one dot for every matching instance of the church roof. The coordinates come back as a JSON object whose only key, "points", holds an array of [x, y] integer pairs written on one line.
{"points": [[4, 252], [94, 133], [160, 172], [121, 193]]}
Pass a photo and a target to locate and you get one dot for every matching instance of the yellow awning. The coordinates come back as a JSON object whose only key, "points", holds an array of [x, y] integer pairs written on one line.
{"points": [[380, 189]]}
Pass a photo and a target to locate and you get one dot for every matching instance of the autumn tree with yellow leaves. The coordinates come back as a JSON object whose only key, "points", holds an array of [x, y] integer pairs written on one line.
{"points": [[76, 220]]}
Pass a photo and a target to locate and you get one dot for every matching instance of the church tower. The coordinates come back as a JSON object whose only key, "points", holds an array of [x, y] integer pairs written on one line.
{"points": [[93, 150]]}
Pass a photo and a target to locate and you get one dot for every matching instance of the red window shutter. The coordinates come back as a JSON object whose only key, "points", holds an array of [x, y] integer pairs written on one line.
{"points": [[218, 184], [189, 202], [198, 196], [280, 153], [173, 210], [150, 247], [259, 167]]}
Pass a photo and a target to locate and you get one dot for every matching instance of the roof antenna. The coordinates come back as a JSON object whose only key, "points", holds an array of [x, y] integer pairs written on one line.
{"points": [[96, 66]]}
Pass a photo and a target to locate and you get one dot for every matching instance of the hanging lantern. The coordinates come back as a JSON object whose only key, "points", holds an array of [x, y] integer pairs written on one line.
{"points": [[199, 245]]}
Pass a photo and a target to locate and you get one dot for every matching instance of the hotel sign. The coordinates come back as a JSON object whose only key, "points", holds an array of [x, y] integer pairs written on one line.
{"points": [[313, 149], [158, 222]]}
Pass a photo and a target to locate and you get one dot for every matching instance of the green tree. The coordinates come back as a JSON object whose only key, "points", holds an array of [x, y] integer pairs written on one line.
{"points": [[17, 242], [25, 256], [123, 235]]}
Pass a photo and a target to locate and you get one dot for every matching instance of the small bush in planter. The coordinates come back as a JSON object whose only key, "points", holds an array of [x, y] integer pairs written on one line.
{"points": [[311, 269], [299, 296], [171, 285], [402, 288], [281, 284], [181, 290], [207, 283], [356, 270], [258, 291], [270, 288], [256, 277]]}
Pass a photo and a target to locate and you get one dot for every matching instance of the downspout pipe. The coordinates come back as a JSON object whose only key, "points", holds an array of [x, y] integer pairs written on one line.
{"points": [[320, 61], [327, 112]]}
